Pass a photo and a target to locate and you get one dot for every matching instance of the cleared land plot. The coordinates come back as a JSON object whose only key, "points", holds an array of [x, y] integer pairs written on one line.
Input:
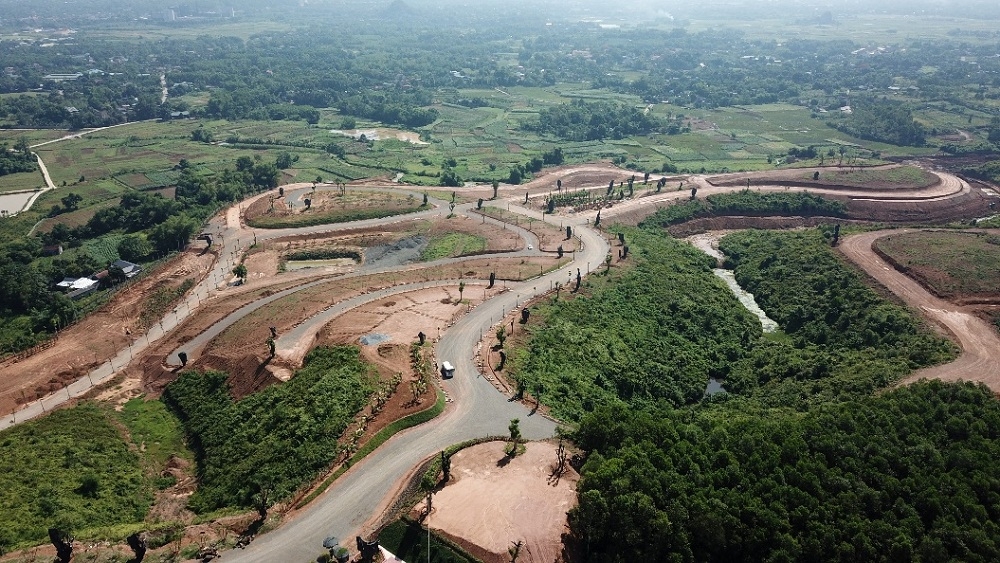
{"points": [[492, 498], [330, 207], [953, 265]]}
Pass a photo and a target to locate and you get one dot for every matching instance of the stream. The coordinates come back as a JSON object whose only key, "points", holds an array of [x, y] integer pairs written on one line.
{"points": [[708, 243]]}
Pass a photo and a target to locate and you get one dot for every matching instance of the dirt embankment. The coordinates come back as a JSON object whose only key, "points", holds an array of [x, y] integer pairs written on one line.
{"points": [[97, 337]]}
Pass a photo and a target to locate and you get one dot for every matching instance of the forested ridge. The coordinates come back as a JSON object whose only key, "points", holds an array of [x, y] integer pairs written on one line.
{"points": [[801, 460]]}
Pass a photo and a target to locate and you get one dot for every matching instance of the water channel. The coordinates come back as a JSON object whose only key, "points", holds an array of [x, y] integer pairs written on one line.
{"points": [[708, 243]]}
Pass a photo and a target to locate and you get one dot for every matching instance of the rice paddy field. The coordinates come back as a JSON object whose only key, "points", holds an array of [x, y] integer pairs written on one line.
{"points": [[485, 143]]}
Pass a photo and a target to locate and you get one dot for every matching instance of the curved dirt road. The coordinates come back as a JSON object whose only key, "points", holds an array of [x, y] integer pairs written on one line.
{"points": [[980, 357]]}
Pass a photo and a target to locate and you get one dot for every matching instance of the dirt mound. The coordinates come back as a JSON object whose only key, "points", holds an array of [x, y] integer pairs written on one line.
{"points": [[247, 374]]}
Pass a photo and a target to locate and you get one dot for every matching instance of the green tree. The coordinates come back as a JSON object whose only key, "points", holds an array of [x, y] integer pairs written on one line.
{"points": [[515, 436], [71, 201], [240, 271], [173, 233], [134, 248]]}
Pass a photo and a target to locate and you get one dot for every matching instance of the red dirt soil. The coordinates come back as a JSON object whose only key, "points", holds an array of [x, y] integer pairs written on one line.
{"points": [[980, 342], [96, 338], [492, 501]]}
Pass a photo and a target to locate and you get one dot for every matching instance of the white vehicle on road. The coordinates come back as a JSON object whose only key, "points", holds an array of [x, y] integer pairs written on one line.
{"points": [[447, 370]]}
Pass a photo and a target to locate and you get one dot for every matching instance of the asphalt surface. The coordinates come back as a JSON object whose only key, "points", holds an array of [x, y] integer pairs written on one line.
{"points": [[477, 409]]}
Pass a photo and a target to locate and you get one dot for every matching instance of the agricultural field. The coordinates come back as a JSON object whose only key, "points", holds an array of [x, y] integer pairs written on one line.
{"points": [[21, 181], [959, 266]]}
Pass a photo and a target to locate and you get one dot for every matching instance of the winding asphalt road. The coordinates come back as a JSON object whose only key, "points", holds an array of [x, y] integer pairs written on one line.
{"points": [[477, 409]]}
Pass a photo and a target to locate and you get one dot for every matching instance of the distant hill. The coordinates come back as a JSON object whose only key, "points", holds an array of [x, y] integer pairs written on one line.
{"points": [[399, 9]]}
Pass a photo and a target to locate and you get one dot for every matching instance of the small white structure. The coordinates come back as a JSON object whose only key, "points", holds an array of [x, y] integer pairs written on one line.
{"points": [[74, 284]]}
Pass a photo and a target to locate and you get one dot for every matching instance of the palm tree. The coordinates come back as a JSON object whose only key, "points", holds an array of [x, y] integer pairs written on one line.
{"points": [[461, 290], [240, 271]]}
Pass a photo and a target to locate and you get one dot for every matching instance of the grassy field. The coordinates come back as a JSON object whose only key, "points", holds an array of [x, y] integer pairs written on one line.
{"points": [[452, 245], [10, 136], [21, 181], [950, 264], [83, 468], [898, 177]]}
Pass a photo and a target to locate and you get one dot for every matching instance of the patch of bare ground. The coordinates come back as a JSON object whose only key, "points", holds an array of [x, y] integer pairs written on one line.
{"points": [[493, 500], [578, 176], [979, 342], [97, 337], [250, 334], [498, 239], [401, 316], [149, 368]]}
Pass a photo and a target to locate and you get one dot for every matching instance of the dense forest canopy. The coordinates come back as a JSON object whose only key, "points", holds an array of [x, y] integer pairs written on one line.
{"points": [[908, 475], [799, 460]]}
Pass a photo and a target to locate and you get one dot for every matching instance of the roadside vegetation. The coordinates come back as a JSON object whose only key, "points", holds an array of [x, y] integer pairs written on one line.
{"points": [[748, 202], [264, 447]]}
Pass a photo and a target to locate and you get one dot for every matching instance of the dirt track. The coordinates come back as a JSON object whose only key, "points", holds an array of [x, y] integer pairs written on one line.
{"points": [[980, 357]]}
